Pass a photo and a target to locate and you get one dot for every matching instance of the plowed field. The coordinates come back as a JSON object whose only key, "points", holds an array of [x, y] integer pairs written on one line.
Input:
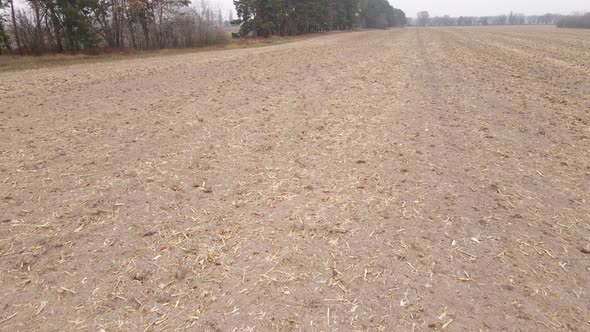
{"points": [[401, 180]]}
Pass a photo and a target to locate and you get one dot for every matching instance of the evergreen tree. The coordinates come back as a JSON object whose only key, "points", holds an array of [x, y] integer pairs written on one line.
{"points": [[77, 24], [266, 17]]}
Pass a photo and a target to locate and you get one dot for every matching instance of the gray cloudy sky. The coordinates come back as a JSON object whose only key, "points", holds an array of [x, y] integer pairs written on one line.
{"points": [[474, 7]]}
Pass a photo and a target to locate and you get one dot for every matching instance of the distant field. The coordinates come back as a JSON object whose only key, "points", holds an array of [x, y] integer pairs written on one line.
{"points": [[404, 180]]}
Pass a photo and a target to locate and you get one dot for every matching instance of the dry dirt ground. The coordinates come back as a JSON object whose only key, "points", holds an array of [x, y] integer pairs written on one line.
{"points": [[403, 180]]}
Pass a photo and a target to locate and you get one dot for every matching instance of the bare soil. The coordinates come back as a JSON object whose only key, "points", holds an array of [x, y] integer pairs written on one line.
{"points": [[18, 62], [402, 180]]}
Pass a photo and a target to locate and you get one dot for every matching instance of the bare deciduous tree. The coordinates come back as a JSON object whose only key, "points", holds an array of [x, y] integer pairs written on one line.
{"points": [[423, 18]]}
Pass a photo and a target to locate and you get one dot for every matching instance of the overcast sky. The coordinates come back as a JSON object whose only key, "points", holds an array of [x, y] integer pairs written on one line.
{"points": [[473, 7]]}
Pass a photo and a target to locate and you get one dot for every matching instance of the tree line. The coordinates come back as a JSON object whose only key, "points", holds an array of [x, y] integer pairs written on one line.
{"points": [[292, 17], [423, 19], [575, 21], [91, 25], [562, 21]]}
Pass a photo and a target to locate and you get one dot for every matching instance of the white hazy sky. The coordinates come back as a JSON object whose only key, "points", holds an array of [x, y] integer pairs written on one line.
{"points": [[471, 7]]}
